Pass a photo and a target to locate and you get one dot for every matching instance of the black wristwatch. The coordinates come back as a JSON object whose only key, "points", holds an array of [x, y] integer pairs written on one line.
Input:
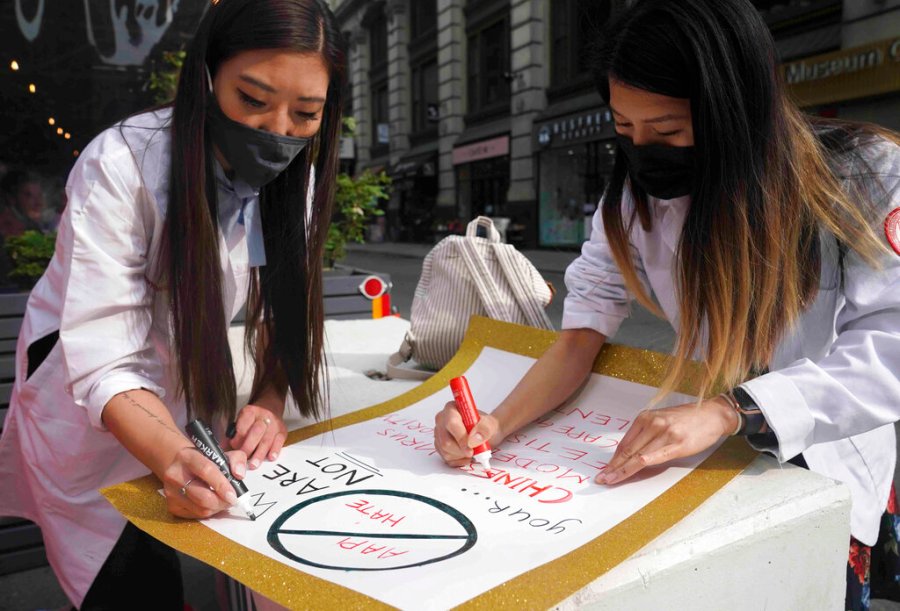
{"points": [[753, 422]]}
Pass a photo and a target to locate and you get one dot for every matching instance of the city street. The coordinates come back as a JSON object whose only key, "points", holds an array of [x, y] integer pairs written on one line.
{"points": [[641, 330], [155, 154]]}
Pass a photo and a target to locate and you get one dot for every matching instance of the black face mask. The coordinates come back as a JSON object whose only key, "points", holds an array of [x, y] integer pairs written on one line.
{"points": [[256, 156], [664, 172]]}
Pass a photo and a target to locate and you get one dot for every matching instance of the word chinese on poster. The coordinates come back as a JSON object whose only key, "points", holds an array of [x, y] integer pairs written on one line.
{"points": [[372, 507]]}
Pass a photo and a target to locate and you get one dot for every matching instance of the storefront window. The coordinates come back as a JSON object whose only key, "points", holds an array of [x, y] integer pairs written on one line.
{"points": [[482, 187], [413, 220], [572, 180]]}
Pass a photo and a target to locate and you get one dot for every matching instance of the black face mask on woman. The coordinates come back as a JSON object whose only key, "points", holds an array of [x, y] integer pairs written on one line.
{"points": [[256, 156], [664, 172]]}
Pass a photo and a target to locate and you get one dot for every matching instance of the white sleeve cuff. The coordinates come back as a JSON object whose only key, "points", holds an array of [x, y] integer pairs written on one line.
{"points": [[110, 386], [786, 413], [575, 317]]}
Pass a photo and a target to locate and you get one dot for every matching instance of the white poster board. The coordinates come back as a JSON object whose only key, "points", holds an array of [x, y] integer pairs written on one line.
{"points": [[372, 507]]}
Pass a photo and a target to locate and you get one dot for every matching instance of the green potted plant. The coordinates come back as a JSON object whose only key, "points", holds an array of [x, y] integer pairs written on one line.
{"points": [[164, 82], [355, 203], [29, 254]]}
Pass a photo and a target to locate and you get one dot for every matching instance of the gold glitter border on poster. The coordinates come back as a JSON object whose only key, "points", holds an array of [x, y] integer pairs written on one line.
{"points": [[541, 587]]}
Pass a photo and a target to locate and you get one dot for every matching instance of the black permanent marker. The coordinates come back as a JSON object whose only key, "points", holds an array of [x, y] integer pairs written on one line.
{"points": [[203, 438]]}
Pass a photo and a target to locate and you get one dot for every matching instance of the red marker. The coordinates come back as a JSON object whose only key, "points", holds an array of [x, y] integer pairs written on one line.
{"points": [[465, 405]]}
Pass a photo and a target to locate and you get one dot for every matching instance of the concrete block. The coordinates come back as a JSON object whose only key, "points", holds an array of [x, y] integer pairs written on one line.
{"points": [[776, 537]]}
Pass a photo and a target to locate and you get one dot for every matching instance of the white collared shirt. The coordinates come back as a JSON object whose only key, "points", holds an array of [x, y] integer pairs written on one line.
{"points": [[833, 391], [101, 292]]}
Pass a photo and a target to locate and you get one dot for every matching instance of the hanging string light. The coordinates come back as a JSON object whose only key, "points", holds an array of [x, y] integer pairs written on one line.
{"points": [[32, 88]]}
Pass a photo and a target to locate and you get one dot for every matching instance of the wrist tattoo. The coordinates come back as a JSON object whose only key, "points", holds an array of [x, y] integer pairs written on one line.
{"points": [[159, 420]]}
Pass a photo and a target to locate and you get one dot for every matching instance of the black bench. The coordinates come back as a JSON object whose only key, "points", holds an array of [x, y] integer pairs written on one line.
{"points": [[21, 545]]}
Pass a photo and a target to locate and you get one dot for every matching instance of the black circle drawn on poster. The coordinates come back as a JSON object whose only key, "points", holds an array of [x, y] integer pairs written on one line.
{"points": [[276, 532]]}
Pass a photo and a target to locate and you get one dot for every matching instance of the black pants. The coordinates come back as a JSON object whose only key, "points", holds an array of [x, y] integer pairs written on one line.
{"points": [[140, 573]]}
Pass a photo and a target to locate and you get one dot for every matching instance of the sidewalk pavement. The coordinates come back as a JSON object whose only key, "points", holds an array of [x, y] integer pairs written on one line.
{"points": [[545, 260]]}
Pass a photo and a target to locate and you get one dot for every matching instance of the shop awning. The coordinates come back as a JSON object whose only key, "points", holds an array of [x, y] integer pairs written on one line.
{"points": [[410, 166]]}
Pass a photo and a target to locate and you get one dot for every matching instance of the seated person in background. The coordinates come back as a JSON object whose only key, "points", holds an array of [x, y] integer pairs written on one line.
{"points": [[54, 211], [23, 203], [22, 209]]}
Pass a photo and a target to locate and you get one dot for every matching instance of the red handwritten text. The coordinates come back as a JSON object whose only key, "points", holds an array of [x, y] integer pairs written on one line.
{"points": [[593, 417], [544, 493], [383, 551], [368, 509], [420, 444]]}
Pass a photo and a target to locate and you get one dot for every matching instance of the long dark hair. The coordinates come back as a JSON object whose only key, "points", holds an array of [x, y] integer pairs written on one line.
{"points": [[764, 184], [284, 324]]}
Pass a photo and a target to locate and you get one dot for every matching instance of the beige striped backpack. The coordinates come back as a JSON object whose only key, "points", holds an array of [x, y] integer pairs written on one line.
{"points": [[463, 276]]}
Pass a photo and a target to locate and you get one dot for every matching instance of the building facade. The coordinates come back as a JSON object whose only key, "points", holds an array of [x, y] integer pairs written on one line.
{"points": [[845, 62], [488, 106]]}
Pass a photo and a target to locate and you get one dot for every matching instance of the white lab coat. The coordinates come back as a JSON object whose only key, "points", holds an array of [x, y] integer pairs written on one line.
{"points": [[833, 390], [100, 292]]}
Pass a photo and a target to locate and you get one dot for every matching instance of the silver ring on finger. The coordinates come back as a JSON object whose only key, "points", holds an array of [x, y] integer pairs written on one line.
{"points": [[183, 489]]}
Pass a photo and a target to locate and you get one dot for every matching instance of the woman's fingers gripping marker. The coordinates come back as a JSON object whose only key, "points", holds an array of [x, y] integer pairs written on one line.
{"points": [[203, 438], [465, 404]]}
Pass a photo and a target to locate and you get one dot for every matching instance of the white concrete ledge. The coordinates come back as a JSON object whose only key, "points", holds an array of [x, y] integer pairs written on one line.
{"points": [[773, 538]]}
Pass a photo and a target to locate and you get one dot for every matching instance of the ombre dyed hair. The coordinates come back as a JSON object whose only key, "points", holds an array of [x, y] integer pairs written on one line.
{"points": [[768, 182]]}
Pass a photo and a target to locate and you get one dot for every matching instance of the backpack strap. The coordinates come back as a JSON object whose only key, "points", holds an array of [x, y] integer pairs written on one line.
{"points": [[482, 279], [521, 287], [483, 221], [403, 355]]}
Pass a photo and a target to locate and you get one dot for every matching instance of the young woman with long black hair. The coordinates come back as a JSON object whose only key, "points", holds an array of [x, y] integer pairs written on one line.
{"points": [[771, 241], [176, 218]]}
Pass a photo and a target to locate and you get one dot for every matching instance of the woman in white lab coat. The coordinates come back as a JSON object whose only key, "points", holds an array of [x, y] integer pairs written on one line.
{"points": [[175, 219], [771, 241]]}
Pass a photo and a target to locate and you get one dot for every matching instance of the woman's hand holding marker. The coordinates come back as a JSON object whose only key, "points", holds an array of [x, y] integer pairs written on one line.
{"points": [[195, 488], [454, 443], [468, 411]]}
